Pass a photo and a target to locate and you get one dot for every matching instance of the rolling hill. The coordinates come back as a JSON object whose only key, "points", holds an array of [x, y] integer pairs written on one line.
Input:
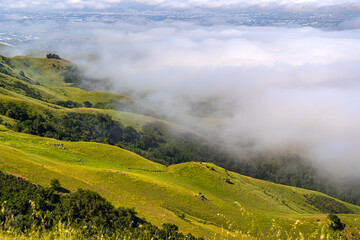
{"points": [[200, 198]]}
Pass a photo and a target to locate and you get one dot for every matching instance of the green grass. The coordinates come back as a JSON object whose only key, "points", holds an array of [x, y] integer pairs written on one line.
{"points": [[79, 95], [45, 71], [126, 118], [248, 207]]}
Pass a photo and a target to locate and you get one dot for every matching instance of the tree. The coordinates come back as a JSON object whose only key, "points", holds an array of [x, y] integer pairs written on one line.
{"points": [[87, 104], [130, 134], [170, 230], [52, 56], [334, 222], [55, 184]]}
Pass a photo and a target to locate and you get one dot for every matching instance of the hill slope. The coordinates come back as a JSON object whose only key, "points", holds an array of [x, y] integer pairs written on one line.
{"points": [[198, 197]]}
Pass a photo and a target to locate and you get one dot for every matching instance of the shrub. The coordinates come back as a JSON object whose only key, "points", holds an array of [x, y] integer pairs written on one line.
{"points": [[68, 104], [87, 104], [334, 222], [52, 56], [55, 184]]}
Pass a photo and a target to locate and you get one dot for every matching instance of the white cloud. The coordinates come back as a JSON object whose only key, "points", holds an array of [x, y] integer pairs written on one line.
{"points": [[290, 87], [46, 4]]}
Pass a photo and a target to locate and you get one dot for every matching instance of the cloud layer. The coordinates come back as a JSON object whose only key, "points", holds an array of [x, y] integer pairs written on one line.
{"points": [[289, 87], [295, 88], [101, 4]]}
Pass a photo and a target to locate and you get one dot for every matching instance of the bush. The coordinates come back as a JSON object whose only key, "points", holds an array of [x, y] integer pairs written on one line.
{"points": [[52, 56], [334, 222], [68, 104], [326, 204], [87, 104], [55, 184]]}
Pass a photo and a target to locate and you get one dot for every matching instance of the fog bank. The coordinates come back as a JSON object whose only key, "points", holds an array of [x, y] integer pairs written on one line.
{"points": [[304, 5], [293, 88]]}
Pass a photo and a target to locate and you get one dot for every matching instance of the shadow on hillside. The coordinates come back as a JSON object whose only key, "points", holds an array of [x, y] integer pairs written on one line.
{"points": [[62, 190]]}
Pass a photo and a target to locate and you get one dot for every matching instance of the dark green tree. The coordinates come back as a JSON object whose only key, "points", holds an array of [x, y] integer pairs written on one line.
{"points": [[52, 56], [87, 104], [130, 134], [55, 184], [334, 222]]}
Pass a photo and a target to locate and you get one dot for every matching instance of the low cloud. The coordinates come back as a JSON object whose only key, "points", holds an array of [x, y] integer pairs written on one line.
{"points": [[305, 5], [293, 88], [350, 24]]}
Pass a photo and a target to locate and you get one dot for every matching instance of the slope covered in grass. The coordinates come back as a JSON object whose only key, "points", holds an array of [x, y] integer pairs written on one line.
{"points": [[41, 83], [198, 197], [47, 72]]}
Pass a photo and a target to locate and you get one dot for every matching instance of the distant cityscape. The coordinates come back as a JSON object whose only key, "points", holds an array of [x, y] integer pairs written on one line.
{"points": [[325, 20]]}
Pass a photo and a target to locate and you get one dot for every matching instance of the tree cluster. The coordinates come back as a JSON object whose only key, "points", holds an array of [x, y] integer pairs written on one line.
{"points": [[21, 88], [26, 206], [326, 204], [68, 104]]}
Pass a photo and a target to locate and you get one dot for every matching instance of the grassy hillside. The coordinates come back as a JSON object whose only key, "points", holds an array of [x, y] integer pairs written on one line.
{"points": [[47, 82], [198, 197], [46, 72]]}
